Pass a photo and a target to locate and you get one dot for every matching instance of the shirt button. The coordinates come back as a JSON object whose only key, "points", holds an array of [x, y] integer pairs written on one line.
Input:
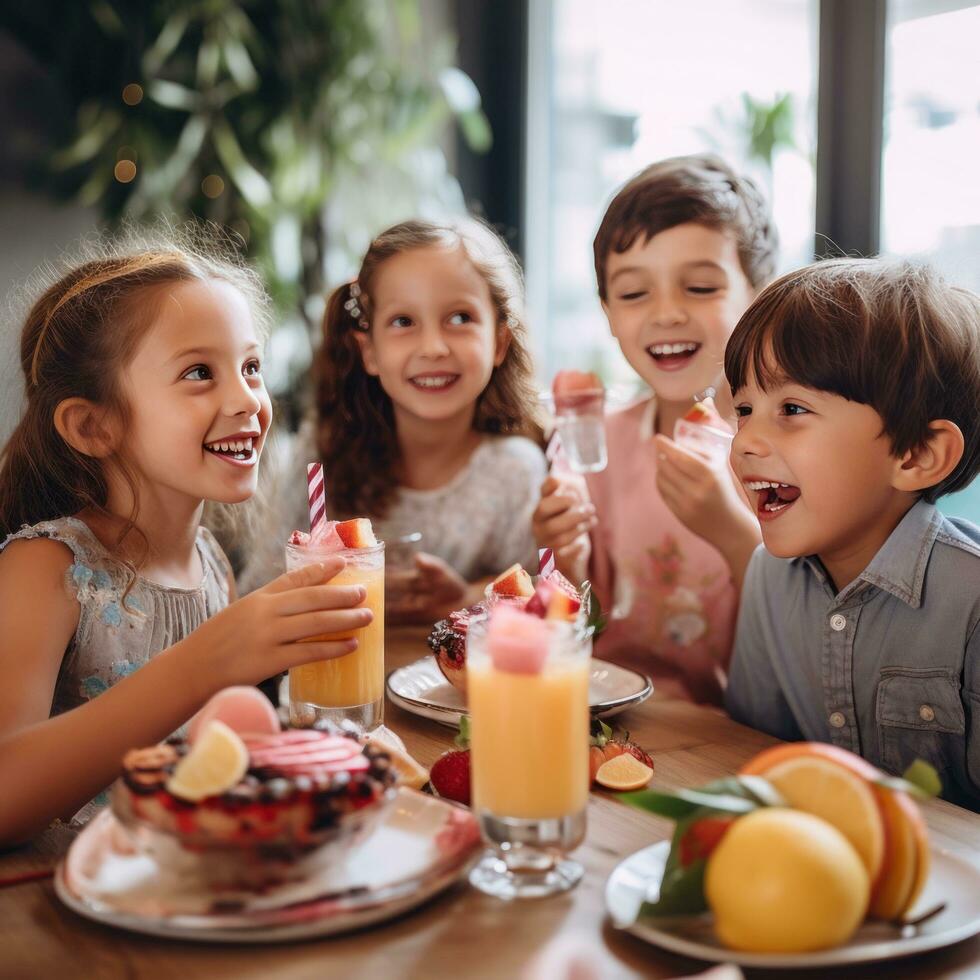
{"points": [[926, 713], [837, 720], [837, 622]]}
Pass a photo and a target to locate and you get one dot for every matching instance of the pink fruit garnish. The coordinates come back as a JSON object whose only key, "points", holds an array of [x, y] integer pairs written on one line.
{"points": [[245, 710], [517, 641], [569, 382], [357, 533], [514, 581], [577, 392]]}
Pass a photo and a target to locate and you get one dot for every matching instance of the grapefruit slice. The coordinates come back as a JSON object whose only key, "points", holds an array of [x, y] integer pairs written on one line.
{"points": [[826, 789]]}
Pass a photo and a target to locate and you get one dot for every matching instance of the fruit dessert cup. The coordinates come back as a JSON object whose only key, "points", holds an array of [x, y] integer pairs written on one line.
{"points": [[703, 431], [552, 597], [579, 400], [528, 694], [254, 809], [347, 688]]}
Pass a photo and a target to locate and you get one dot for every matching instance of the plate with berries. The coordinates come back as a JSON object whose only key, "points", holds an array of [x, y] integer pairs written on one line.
{"points": [[435, 686], [244, 832]]}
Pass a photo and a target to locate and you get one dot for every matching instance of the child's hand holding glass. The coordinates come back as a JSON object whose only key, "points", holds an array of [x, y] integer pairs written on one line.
{"points": [[266, 632]]}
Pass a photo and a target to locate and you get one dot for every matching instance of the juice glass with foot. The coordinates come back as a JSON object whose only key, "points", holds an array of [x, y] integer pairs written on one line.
{"points": [[349, 688], [528, 700]]}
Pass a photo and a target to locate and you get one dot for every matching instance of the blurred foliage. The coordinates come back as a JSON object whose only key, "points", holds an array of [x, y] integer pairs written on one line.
{"points": [[759, 129], [255, 115]]}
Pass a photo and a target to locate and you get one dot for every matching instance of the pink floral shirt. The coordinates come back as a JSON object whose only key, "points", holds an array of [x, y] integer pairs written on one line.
{"points": [[668, 594]]}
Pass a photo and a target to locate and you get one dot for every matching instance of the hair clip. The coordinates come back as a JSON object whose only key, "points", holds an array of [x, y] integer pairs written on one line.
{"points": [[353, 307]]}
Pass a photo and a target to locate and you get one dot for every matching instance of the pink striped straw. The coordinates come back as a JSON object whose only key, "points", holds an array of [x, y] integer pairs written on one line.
{"points": [[546, 562], [317, 495]]}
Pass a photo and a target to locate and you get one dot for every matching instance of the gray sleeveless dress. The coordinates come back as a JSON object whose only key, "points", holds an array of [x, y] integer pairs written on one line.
{"points": [[118, 632]]}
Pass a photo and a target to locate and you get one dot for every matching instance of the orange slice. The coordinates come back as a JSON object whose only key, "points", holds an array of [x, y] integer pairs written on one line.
{"points": [[410, 773], [823, 787], [624, 772], [215, 763]]}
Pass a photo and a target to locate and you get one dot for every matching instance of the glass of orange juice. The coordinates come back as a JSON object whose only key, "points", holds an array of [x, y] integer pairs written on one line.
{"points": [[349, 688], [528, 700]]}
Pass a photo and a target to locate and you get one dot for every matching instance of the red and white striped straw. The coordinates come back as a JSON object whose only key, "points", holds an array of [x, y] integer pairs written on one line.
{"points": [[316, 494], [546, 562]]}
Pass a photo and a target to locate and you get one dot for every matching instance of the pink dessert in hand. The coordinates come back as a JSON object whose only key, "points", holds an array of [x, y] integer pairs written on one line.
{"points": [[517, 642]]}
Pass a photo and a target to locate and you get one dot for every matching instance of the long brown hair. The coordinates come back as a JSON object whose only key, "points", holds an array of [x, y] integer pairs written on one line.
{"points": [[77, 337], [356, 423]]}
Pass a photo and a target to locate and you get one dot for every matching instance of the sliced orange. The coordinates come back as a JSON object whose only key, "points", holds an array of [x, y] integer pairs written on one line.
{"points": [[624, 772], [847, 801], [410, 773], [760, 764]]}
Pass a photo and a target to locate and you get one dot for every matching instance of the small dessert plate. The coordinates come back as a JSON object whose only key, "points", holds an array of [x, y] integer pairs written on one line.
{"points": [[422, 846], [421, 688], [951, 881]]}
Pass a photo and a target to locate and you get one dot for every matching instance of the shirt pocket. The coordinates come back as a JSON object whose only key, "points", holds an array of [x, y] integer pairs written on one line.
{"points": [[919, 715]]}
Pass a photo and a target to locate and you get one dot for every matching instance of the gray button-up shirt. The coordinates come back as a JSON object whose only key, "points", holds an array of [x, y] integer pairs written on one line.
{"points": [[889, 667]]}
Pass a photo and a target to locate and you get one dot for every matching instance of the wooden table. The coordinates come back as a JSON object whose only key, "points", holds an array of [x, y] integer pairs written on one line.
{"points": [[462, 933]]}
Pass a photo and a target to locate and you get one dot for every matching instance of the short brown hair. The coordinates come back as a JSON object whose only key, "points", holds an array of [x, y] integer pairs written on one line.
{"points": [[702, 189], [355, 418], [891, 335]]}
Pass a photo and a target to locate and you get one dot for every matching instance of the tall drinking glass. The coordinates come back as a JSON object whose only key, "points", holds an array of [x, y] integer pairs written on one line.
{"points": [[349, 688], [529, 739]]}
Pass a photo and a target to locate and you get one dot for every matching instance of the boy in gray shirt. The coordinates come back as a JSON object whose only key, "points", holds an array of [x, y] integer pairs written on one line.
{"points": [[857, 390]]}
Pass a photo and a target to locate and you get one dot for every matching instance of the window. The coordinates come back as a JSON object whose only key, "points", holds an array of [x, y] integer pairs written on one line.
{"points": [[617, 85], [930, 191]]}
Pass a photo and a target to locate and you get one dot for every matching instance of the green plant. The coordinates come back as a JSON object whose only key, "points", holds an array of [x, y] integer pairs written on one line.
{"points": [[255, 115], [759, 129]]}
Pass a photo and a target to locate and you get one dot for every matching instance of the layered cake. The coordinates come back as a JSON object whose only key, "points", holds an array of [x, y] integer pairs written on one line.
{"points": [[290, 791]]}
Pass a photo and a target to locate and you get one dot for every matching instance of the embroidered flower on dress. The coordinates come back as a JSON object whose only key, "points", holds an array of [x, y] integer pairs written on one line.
{"points": [[93, 686]]}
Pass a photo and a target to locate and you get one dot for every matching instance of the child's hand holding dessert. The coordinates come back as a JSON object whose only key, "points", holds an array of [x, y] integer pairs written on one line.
{"points": [[562, 522], [704, 498]]}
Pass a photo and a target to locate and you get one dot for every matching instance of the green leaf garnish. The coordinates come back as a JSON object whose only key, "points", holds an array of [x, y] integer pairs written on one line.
{"points": [[920, 780]]}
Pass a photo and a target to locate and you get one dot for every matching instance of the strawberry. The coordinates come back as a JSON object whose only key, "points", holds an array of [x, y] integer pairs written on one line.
{"points": [[449, 776], [702, 837], [603, 747], [357, 533]]}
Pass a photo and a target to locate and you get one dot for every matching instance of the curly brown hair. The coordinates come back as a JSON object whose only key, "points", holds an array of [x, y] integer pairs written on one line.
{"points": [[356, 436]]}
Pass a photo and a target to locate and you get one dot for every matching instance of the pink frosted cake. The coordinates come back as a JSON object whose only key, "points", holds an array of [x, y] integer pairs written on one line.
{"points": [[298, 787]]}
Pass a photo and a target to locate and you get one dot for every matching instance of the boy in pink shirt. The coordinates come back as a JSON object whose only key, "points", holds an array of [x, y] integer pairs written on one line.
{"points": [[663, 533]]}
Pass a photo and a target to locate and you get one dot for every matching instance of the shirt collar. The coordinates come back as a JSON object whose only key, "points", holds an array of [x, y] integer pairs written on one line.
{"points": [[648, 420], [899, 567]]}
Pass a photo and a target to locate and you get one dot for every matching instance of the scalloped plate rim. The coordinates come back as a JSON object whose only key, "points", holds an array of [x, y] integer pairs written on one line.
{"points": [[448, 715]]}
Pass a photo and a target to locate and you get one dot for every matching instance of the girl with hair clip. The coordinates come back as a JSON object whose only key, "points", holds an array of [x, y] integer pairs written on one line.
{"points": [[144, 400], [426, 411]]}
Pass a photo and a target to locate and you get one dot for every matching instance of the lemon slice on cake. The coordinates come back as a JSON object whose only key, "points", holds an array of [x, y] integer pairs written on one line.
{"points": [[215, 763]]}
